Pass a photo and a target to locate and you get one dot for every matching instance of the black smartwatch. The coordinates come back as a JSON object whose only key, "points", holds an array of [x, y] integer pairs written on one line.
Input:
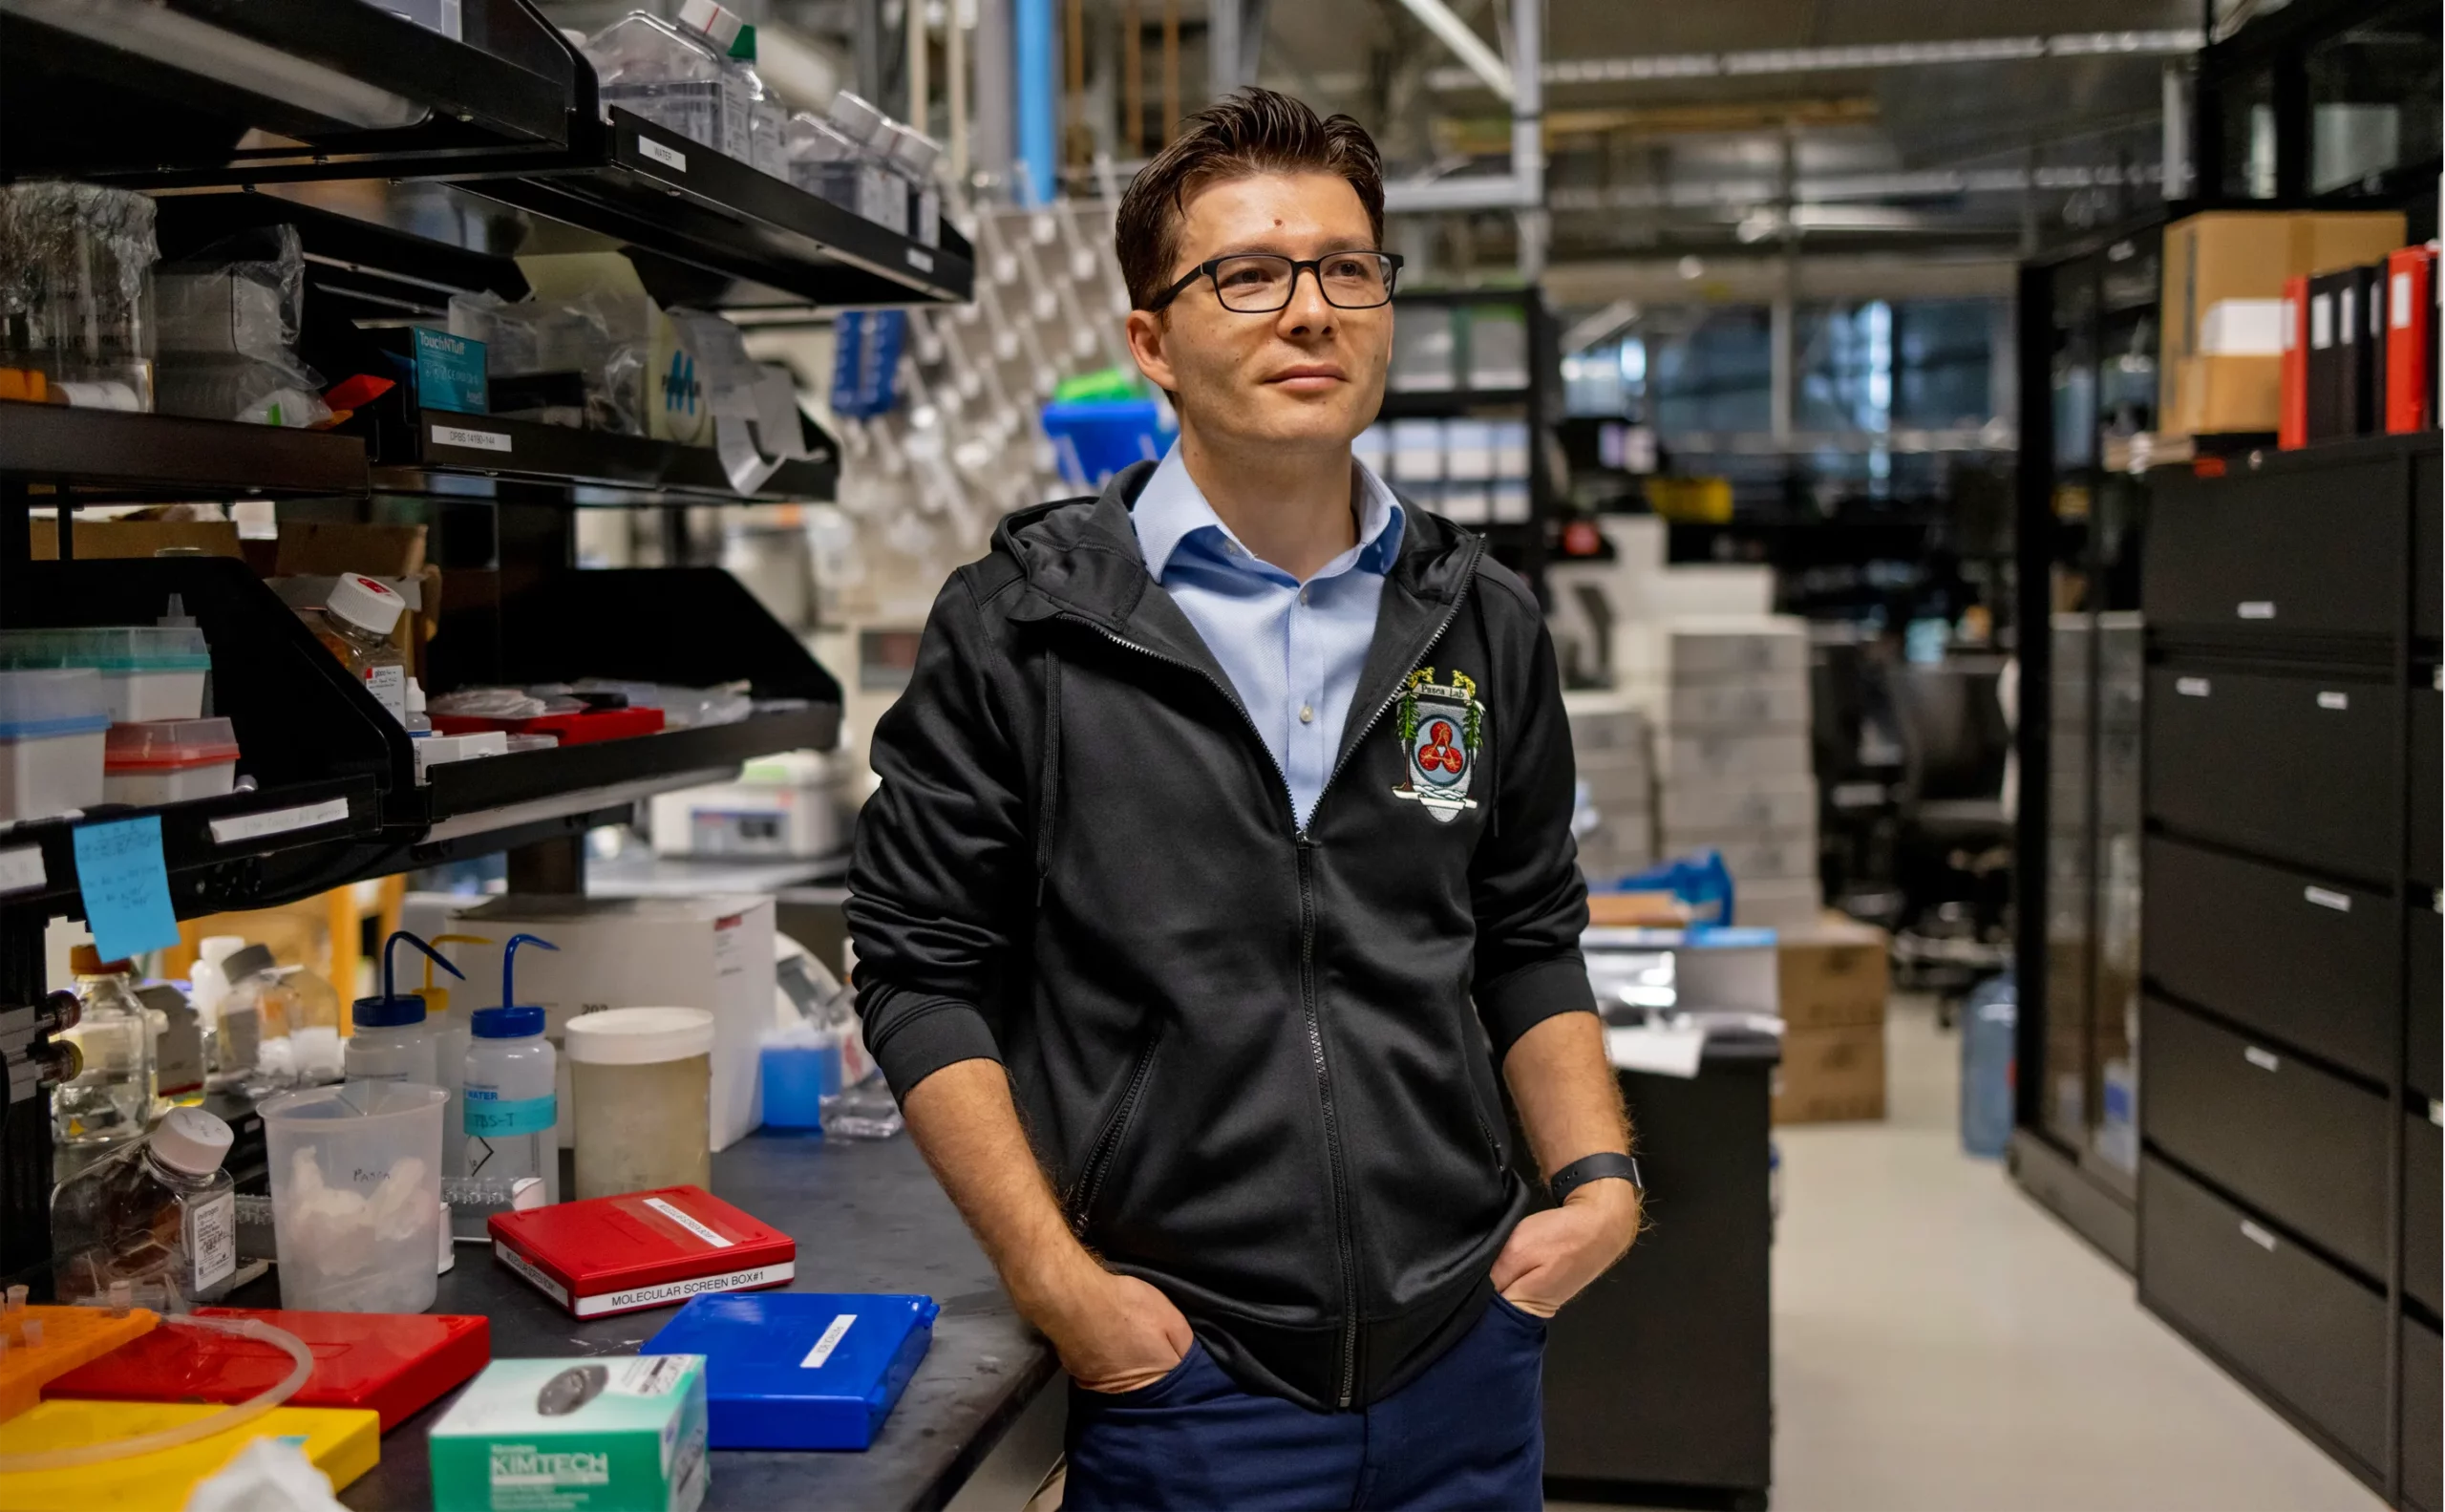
{"points": [[1597, 1167]]}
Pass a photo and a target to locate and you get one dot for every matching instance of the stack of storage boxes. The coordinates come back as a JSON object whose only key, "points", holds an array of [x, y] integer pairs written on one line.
{"points": [[1610, 743], [1728, 695], [1831, 978]]}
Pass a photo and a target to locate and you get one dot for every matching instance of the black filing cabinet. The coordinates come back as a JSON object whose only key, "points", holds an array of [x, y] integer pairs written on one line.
{"points": [[2290, 1056]]}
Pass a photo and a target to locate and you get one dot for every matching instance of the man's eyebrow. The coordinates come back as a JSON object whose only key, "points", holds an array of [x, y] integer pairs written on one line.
{"points": [[1276, 249]]}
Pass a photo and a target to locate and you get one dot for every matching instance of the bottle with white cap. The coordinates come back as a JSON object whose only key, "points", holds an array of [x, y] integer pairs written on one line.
{"points": [[160, 1218], [356, 626], [678, 76]]}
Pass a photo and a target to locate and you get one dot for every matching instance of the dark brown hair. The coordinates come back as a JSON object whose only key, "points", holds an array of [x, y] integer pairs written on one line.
{"points": [[1250, 131]]}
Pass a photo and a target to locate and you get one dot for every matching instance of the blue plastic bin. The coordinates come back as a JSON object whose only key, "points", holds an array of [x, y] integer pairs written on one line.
{"points": [[1095, 439]]}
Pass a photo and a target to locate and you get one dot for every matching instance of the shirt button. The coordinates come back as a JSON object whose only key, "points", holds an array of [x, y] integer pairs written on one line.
{"points": [[1303, 595], [1307, 714]]}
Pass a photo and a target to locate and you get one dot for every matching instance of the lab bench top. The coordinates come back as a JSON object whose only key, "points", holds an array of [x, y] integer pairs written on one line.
{"points": [[868, 1216]]}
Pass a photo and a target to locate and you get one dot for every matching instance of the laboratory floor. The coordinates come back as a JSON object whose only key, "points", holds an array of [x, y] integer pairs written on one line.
{"points": [[1942, 1343]]}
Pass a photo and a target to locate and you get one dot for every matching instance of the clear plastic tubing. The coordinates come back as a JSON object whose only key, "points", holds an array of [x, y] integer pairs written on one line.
{"points": [[237, 1415]]}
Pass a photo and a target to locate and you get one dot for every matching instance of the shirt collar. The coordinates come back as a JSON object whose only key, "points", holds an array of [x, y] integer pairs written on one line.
{"points": [[1171, 508]]}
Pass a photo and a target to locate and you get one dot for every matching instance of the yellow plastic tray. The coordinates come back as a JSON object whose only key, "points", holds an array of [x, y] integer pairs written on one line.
{"points": [[71, 1336], [343, 1443]]}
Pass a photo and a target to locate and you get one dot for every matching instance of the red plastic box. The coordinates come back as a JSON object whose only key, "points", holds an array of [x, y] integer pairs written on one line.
{"points": [[395, 1364], [641, 1250], [573, 729]]}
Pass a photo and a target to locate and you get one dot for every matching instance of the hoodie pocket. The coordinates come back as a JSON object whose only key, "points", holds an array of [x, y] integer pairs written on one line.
{"points": [[1109, 1138]]}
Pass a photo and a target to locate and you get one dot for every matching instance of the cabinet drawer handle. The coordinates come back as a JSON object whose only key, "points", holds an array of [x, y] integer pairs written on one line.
{"points": [[2263, 1059], [2328, 898], [2255, 609], [2191, 686], [2258, 1236], [2334, 700]]}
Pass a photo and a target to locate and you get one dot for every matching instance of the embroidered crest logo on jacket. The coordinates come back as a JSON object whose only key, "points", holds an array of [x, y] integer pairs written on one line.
{"points": [[1441, 727]]}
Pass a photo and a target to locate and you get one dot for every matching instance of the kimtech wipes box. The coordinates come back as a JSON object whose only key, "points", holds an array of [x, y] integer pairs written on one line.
{"points": [[575, 1436]]}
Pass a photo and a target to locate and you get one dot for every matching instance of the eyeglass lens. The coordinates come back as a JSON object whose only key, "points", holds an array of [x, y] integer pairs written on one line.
{"points": [[1260, 282]]}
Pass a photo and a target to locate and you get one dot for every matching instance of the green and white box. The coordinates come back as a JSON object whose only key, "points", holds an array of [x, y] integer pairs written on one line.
{"points": [[575, 1436]]}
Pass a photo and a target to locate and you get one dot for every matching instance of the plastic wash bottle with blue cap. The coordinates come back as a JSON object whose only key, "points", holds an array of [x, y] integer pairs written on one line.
{"points": [[510, 1103], [394, 1039]]}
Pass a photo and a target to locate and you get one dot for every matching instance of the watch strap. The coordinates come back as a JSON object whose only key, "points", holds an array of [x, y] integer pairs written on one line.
{"points": [[1600, 1167]]}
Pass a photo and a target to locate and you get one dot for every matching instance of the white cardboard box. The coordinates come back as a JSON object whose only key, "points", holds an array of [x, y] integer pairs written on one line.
{"points": [[710, 953], [1752, 855], [1756, 803], [1711, 648], [1790, 904], [1733, 752], [1777, 702], [1603, 721]]}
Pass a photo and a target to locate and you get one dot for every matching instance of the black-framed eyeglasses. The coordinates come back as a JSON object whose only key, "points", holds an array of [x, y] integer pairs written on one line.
{"points": [[1260, 283]]}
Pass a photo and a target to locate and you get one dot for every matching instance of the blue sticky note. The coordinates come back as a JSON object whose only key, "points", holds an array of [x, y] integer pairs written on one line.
{"points": [[126, 886]]}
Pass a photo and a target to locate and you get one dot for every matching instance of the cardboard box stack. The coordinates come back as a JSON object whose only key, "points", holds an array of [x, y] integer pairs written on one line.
{"points": [[1728, 697], [2220, 369], [1611, 744], [1832, 977]]}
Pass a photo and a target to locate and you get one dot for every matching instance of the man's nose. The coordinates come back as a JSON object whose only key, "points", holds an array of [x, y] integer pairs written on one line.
{"points": [[1309, 311]]}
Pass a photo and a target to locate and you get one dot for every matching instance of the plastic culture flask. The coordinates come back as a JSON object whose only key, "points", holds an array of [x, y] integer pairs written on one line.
{"points": [[449, 1040], [643, 1082], [679, 76], [357, 1194], [394, 1039], [161, 1218], [511, 1102], [355, 626]]}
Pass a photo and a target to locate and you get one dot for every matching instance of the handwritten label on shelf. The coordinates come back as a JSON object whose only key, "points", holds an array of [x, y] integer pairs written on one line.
{"points": [[126, 886], [238, 827], [472, 440], [921, 260], [22, 868], [668, 156]]}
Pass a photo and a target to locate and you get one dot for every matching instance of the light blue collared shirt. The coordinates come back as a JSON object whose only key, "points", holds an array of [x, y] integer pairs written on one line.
{"points": [[1293, 652]]}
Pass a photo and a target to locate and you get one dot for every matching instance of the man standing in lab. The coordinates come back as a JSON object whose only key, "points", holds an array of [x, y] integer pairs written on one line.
{"points": [[1222, 861]]}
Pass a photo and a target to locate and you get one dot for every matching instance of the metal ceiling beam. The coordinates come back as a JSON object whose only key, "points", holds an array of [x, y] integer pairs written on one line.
{"points": [[1523, 188], [1758, 62], [1465, 44]]}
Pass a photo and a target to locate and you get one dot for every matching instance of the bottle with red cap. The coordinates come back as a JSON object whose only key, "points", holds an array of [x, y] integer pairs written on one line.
{"points": [[355, 623]]}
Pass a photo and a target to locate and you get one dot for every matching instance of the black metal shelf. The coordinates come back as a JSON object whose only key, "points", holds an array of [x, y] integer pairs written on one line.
{"points": [[99, 451], [164, 92], [1401, 404], [442, 449]]}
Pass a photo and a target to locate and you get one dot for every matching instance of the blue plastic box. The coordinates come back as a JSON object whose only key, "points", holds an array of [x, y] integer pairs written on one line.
{"points": [[800, 1370]]}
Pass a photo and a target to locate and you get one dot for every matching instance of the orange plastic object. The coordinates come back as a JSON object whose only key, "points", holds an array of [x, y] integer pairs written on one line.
{"points": [[71, 1336]]}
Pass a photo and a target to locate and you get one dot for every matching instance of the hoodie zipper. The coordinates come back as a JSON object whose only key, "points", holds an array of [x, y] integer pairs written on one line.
{"points": [[1091, 1179], [1306, 846]]}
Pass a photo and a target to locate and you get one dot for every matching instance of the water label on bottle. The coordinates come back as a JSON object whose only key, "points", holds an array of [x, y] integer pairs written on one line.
{"points": [[490, 1115], [212, 1240]]}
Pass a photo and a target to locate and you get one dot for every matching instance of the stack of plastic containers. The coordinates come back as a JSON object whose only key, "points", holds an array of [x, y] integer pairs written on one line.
{"points": [[165, 761], [148, 671], [51, 727], [894, 169]]}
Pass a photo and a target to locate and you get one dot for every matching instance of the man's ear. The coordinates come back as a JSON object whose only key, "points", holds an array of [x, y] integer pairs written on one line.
{"points": [[1146, 330]]}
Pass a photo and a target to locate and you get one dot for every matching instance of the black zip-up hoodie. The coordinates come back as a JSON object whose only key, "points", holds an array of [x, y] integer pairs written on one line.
{"points": [[1256, 1061]]}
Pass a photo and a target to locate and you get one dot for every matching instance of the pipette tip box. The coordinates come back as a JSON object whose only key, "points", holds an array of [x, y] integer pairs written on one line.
{"points": [[342, 1444], [642, 1249], [392, 1364], [68, 1338], [801, 1369]]}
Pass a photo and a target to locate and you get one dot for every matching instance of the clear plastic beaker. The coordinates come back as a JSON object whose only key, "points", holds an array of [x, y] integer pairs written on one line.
{"points": [[357, 1194]]}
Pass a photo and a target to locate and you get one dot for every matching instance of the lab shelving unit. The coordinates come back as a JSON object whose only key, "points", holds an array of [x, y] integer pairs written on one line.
{"points": [[413, 166], [1522, 545], [2290, 1169], [2088, 385]]}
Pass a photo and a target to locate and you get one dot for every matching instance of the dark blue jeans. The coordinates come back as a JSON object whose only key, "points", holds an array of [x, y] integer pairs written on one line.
{"points": [[1469, 1433]]}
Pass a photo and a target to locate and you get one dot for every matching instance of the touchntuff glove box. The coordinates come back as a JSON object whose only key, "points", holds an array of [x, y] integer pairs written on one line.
{"points": [[575, 1436], [801, 1369]]}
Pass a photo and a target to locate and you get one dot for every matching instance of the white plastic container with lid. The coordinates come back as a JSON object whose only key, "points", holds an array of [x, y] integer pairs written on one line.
{"points": [[161, 1218], [146, 671], [357, 618], [642, 1082], [914, 155], [677, 76], [512, 1098], [394, 1040], [356, 1196], [52, 728], [164, 761]]}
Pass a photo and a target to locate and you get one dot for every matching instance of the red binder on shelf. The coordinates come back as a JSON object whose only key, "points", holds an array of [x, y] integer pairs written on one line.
{"points": [[2410, 339], [395, 1364], [2292, 423]]}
